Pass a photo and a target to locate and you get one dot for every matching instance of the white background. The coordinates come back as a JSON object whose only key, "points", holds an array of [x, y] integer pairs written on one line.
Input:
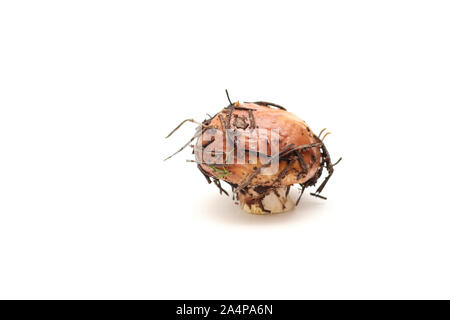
{"points": [[89, 89]]}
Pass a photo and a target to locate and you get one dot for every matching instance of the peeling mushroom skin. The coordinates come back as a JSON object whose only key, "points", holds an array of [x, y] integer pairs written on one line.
{"points": [[260, 150]]}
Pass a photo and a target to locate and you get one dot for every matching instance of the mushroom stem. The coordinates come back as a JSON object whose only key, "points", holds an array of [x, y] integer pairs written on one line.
{"points": [[265, 200]]}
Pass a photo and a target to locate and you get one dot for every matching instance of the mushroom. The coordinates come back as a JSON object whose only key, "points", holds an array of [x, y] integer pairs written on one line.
{"points": [[260, 150]]}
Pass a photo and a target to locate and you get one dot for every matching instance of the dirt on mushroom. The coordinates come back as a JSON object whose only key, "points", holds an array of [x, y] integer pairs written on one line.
{"points": [[261, 150]]}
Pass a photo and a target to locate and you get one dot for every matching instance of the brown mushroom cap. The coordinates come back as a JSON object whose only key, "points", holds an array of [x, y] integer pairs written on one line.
{"points": [[243, 119]]}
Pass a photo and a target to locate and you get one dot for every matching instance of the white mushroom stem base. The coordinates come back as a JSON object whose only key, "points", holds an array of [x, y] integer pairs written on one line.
{"points": [[273, 200]]}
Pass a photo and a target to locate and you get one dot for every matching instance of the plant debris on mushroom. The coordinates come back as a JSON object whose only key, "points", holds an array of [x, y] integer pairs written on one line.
{"points": [[260, 150]]}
